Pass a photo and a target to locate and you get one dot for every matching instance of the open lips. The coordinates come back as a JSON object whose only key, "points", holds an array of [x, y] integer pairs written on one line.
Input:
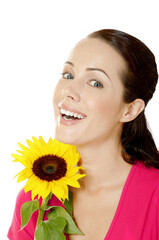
{"points": [[69, 113]]}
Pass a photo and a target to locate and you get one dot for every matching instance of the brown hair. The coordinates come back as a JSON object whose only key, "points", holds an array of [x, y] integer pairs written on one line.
{"points": [[139, 81]]}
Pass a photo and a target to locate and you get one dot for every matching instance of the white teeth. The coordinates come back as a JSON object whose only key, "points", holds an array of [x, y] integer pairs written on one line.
{"points": [[68, 113], [62, 111], [75, 115], [66, 118]]}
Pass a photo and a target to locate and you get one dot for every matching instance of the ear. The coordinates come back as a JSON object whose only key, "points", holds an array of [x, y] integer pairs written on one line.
{"points": [[132, 110]]}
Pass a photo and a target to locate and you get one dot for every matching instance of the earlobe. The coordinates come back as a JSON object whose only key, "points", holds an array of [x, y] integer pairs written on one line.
{"points": [[132, 110]]}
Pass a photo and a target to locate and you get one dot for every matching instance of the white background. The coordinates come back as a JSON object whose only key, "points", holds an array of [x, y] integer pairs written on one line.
{"points": [[35, 39]]}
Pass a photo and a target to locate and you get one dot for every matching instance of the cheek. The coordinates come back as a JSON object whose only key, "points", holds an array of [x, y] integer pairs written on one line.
{"points": [[57, 97], [102, 106], [57, 89], [57, 92]]}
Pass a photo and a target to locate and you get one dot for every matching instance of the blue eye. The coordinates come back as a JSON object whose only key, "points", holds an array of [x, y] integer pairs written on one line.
{"points": [[95, 83], [67, 76]]}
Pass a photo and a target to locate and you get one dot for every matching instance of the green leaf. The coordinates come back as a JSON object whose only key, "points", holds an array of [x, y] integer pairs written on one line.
{"points": [[71, 227], [68, 204], [27, 209], [51, 229], [48, 207]]}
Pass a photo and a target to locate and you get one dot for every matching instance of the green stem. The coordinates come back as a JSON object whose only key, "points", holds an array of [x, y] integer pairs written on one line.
{"points": [[43, 209]]}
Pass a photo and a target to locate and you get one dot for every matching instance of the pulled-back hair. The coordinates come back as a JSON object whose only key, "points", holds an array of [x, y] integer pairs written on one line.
{"points": [[139, 81]]}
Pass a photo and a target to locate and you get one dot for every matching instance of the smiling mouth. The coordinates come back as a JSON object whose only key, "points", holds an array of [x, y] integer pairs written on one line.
{"points": [[69, 115], [74, 117]]}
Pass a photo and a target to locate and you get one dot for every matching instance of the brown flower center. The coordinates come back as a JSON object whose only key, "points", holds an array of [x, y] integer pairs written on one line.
{"points": [[50, 167]]}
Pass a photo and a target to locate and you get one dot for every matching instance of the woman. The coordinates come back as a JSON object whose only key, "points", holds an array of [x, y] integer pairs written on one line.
{"points": [[99, 105]]}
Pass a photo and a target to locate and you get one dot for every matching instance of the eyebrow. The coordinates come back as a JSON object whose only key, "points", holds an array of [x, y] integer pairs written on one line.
{"points": [[90, 69], [69, 63], [97, 69]]}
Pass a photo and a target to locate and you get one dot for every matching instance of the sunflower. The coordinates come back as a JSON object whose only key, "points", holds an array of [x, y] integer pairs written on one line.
{"points": [[49, 167]]}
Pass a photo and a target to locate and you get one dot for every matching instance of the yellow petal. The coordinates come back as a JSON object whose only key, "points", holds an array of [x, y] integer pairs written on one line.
{"points": [[24, 174], [58, 191], [38, 148], [73, 183], [23, 147], [73, 171]]}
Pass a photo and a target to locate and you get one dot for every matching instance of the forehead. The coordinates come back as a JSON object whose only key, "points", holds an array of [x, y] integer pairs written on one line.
{"points": [[93, 52]]}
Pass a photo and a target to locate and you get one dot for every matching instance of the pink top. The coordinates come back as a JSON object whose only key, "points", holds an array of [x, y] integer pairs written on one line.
{"points": [[136, 217]]}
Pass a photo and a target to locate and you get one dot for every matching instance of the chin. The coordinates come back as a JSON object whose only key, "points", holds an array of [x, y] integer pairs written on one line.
{"points": [[64, 138]]}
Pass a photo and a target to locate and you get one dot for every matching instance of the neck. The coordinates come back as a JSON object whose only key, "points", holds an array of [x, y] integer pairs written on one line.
{"points": [[104, 165]]}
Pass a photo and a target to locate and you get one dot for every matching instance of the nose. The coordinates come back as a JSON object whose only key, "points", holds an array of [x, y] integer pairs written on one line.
{"points": [[72, 91]]}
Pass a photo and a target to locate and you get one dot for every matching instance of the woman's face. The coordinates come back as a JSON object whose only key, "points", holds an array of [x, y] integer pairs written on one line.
{"points": [[91, 89]]}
